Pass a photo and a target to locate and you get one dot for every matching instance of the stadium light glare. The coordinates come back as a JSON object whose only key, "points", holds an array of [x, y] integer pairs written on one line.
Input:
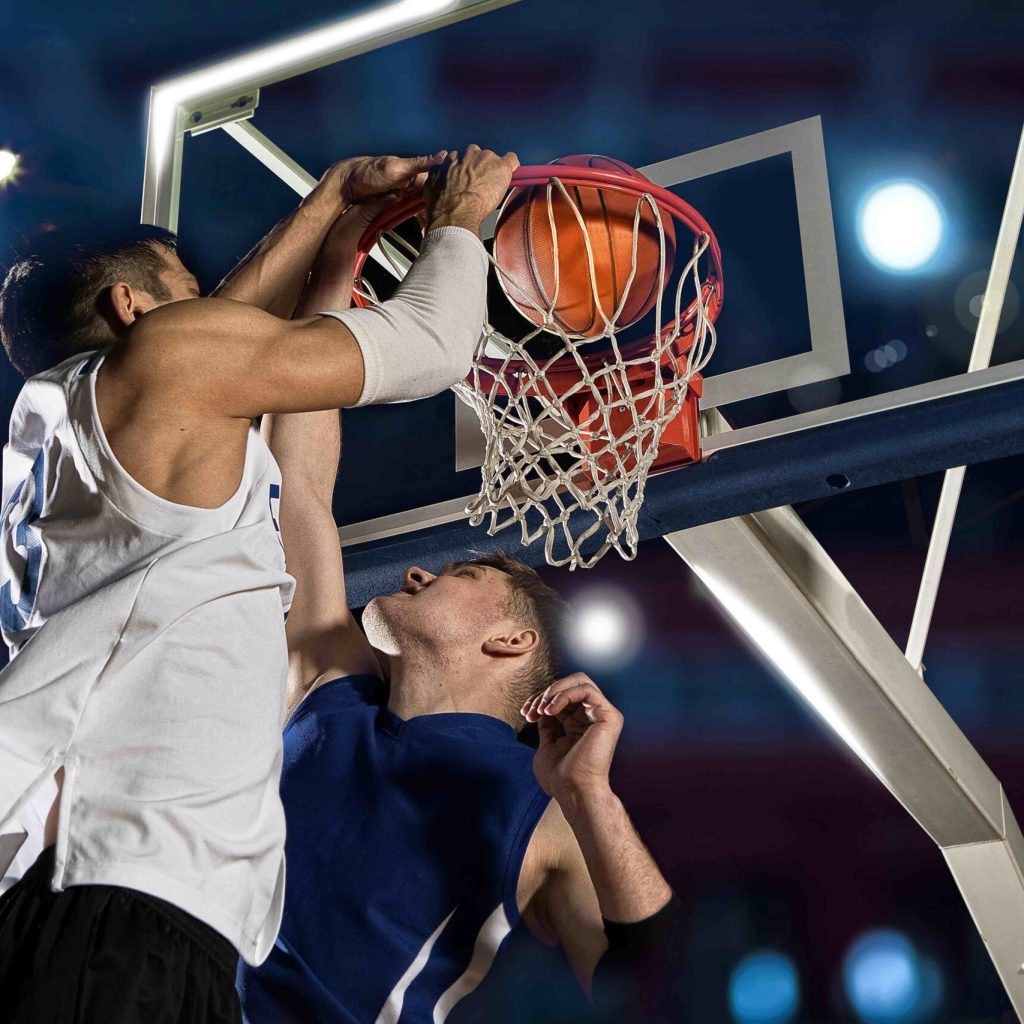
{"points": [[8, 166], [764, 989], [883, 978], [901, 226], [606, 627]]}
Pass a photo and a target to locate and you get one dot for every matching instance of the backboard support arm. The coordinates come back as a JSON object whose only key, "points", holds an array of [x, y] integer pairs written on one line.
{"points": [[981, 356], [783, 591], [180, 105]]}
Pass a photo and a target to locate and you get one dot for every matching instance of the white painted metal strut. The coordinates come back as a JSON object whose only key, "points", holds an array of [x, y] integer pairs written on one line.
{"points": [[275, 159], [228, 90], [981, 356], [780, 587], [271, 156]]}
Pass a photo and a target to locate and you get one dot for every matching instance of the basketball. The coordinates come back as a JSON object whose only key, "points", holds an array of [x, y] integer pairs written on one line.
{"points": [[524, 248]]}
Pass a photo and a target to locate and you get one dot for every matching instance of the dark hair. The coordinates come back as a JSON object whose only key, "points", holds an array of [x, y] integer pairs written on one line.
{"points": [[531, 602], [50, 299]]}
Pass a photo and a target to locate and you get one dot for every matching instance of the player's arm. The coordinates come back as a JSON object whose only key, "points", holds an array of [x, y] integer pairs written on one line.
{"points": [[324, 639], [218, 358], [273, 274], [603, 896]]}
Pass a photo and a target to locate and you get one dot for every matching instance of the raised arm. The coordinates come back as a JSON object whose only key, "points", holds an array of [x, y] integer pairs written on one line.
{"points": [[178, 395], [229, 359], [324, 640], [274, 272], [598, 867]]}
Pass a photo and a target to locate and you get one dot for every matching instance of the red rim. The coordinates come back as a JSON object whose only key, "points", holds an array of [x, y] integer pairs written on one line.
{"points": [[564, 377]]}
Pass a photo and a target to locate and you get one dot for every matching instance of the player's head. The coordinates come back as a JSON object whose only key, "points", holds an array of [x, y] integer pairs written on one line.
{"points": [[493, 615], [74, 291]]}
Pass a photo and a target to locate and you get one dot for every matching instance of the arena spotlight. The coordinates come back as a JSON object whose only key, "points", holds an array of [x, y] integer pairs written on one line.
{"points": [[764, 989], [8, 166], [606, 627], [884, 979], [901, 226]]}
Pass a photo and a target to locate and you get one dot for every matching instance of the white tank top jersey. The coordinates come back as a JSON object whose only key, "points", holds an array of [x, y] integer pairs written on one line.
{"points": [[149, 659]]}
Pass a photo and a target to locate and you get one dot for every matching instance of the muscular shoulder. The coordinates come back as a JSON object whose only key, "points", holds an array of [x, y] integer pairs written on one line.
{"points": [[190, 324], [196, 348]]}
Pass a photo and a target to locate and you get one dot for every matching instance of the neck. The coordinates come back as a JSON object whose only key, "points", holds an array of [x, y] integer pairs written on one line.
{"points": [[424, 683]]}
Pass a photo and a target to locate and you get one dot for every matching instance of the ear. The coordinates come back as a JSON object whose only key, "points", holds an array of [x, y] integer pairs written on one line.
{"points": [[126, 305], [511, 644]]}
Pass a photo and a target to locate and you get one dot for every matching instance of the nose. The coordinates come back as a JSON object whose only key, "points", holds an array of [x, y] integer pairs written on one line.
{"points": [[416, 579]]}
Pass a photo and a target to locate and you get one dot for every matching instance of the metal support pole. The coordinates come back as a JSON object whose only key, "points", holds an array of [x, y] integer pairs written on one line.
{"points": [[783, 591], [275, 159], [981, 356]]}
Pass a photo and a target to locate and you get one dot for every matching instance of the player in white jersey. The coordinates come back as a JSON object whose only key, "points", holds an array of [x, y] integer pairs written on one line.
{"points": [[143, 582]]}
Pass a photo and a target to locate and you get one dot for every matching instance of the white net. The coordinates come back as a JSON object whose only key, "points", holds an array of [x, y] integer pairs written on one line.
{"points": [[571, 436]]}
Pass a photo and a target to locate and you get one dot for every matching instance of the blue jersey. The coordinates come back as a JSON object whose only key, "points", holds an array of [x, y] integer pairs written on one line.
{"points": [[404, 847]]}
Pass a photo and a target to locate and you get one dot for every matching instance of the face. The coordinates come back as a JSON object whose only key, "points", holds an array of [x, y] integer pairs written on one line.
{"points": [[461, 607]]}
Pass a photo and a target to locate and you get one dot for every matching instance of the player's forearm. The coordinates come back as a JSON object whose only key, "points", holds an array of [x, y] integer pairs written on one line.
{"points": [[629, 885], [273, 274], [330, 281], [307, 445]]}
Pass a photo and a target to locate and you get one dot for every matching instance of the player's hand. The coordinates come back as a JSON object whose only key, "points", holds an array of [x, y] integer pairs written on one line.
{"points": [[579, 728], [462, 190], [361, 178], [345, 233]]}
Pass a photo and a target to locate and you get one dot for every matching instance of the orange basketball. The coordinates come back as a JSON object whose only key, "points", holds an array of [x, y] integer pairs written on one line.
{"points": [[523, 247]]}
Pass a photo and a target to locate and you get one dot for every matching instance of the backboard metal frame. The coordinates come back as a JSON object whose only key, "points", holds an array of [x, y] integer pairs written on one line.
{"points": [[228, 91], [829, 355]]}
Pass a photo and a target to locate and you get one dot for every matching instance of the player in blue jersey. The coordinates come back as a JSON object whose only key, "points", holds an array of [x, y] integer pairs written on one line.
{"points": [[420, 830]]}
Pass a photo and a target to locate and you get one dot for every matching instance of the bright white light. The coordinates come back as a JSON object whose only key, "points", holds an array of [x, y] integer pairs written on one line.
{"points": [[8, 165], [764, 989], [606, 629], [901, 226]]}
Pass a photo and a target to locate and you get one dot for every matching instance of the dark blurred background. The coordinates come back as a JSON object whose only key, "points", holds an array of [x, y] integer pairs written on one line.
{"points": [[811, 895]]}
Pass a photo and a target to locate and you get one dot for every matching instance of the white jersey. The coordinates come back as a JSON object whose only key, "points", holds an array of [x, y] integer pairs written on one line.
{"points": [[149, 659]]}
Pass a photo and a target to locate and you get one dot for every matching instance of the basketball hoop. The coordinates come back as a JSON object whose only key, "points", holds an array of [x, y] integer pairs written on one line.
{"points": [[575, 420]]}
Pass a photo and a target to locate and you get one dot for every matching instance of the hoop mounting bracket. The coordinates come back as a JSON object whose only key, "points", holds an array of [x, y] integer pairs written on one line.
{"points": [[221, 110]]}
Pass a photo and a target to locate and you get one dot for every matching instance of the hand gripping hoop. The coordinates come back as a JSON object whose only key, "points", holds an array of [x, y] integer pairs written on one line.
{"points": [[571, 437]]}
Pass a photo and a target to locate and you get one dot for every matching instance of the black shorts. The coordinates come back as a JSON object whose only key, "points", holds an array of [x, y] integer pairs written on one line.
{"points": [[102, 954]]}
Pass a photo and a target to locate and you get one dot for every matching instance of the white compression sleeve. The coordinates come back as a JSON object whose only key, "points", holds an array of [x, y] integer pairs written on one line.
{"points": [[422, 339]]}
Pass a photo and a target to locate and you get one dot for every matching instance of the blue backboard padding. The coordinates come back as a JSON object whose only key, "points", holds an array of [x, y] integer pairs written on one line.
{"points": [[896, 444]]}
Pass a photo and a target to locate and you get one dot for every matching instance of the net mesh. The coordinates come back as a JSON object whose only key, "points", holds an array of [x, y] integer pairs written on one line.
{"points": [[570, 437]]}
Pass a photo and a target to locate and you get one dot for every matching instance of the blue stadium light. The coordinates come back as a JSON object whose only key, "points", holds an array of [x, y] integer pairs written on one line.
{"points": [[901, 226], [764, 989], [887, 982]]}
